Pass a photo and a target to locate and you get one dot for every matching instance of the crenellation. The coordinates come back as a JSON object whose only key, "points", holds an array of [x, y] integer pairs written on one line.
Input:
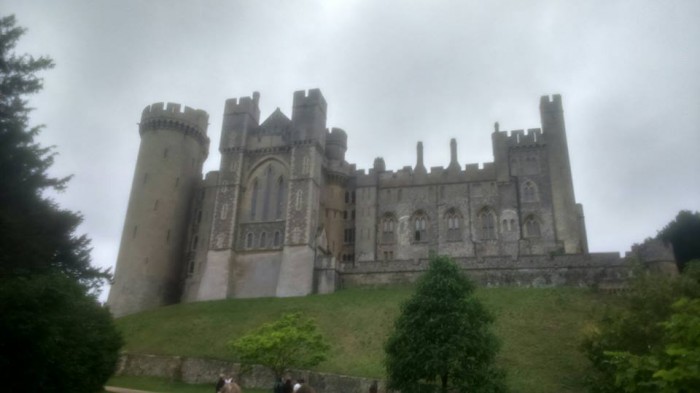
{"points": [[287, 215]]}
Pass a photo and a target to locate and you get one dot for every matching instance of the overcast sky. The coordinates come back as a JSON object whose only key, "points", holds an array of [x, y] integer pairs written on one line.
{"points": [[393, 73]]}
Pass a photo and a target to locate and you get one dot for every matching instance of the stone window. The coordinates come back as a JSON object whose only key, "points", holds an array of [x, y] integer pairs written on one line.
{"points": [[280, 197], [195, 240], [249, 240], [277, 239], [268, 192], [532, 227], [388, 255], [388, 226], [133, 233], [487, 224], [529, 192], [349, 235], [305, 165], [263, 240], [190, 268], [347, 197], [254, 199], [420, 233], [352, 195], [454, 225]]}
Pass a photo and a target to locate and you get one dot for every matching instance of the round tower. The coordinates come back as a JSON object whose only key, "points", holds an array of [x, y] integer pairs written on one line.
{"points": [[174, 144]]}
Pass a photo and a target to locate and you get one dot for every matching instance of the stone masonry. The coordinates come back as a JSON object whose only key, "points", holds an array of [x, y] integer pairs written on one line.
{"points": [[287, 215]]}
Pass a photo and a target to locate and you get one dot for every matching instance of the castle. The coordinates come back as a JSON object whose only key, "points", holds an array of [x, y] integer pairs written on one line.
{"points": [[287, 215]]}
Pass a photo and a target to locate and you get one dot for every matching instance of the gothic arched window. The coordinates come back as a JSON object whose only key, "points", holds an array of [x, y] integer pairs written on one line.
{"points": [[254, 199], [388, 228], [453, 219], [529, 192], [277, 239], [280, 197], [487, 224], [249, 240], [420, 225], [532, 227], [263, 240]]}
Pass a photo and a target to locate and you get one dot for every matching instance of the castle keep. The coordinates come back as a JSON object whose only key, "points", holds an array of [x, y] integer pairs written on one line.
{"points": [[287, 215]]}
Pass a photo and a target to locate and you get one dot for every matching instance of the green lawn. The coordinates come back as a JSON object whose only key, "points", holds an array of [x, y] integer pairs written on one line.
{"points": [[540, 329]]}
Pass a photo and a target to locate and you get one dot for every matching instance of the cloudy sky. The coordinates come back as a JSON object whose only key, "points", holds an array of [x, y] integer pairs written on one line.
{"points": [[393, 73]]}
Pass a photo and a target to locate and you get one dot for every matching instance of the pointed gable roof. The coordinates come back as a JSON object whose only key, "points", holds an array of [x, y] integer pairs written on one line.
{"points": [[277, 120]]}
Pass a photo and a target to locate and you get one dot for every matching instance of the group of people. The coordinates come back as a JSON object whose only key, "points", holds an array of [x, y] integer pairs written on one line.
{"points": [[287, 386], [225, 384]]}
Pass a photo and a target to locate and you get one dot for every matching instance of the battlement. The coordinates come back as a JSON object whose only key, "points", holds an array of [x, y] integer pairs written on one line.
{"points": [[532, 136], [551, 103], [337, 136], [196, 118], [311, 97], [243, 105]]}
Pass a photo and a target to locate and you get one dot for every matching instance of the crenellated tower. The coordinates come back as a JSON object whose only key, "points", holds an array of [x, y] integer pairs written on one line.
{"points": [[308, 143], [174, 144]]}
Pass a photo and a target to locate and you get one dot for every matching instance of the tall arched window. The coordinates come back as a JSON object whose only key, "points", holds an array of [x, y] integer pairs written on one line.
{"points": [[268, 192], [249, 240], [529, 192], [254, 199], [454, 231], [388, 228], [487, 224], [280, 197], [532, 227], [277, 239], [263, 240], [420, 233]]}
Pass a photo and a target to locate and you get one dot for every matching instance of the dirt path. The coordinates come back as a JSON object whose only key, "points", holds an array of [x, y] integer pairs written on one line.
{"points": [[115, 389]]}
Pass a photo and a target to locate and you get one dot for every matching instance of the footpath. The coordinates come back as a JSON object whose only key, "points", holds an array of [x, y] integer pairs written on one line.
{"points": [[115, 389]]}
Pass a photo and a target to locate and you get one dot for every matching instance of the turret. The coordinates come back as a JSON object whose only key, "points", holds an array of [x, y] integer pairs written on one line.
{"points": [[336, 144], [566, 220], [309, 116], [379, 165], [173, 147]]}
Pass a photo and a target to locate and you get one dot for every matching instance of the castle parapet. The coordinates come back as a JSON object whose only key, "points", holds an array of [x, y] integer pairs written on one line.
{"points": [[171, 115], [249, 105], [311, 97]]}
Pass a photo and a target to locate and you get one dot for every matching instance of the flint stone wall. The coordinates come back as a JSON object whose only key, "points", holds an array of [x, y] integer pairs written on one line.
{"points": [[201, 371], [528, 271]]}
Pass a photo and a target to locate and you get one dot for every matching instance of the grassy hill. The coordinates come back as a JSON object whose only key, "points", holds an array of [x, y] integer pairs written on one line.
{"points": [[539, 328]]}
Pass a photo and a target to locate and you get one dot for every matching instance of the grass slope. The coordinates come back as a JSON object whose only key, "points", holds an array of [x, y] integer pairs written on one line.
{"points": [[539, 328]]}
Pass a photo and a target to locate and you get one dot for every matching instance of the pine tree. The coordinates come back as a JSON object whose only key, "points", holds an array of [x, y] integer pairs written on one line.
{"points": [[36, 235]]}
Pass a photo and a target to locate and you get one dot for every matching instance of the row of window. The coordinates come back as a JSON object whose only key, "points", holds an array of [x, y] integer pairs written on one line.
{"points": [[486, 228], [261, 240]]}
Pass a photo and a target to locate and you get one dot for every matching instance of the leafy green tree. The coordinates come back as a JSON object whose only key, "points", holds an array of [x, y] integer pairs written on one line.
{"points": [[54, 337], [36, 236], [684, 234], [290, 342], [442, 338], [629, 346], [675, 368]]}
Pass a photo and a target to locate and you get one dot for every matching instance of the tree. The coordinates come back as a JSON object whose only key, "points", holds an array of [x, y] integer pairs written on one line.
{"points": [[442, 337], [636, 348], [36, 236], [675, 368], [54, 337], [290, 342], [684, 234]]}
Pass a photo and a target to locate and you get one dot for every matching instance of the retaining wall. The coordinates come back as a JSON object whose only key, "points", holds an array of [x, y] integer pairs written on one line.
{"points": [[199, 371]]}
